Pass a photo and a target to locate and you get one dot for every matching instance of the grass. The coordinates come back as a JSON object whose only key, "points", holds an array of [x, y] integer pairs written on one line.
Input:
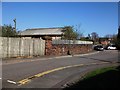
{"points": [[99, 71], [105, 78]]}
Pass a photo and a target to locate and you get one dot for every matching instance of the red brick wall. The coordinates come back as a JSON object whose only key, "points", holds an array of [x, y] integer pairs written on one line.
{"points": [[59, 49]]}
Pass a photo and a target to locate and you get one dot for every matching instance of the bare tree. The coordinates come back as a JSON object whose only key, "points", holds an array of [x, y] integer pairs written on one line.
{"points": [[94, 36], [111, 37], [108, 36], [78, 28]]}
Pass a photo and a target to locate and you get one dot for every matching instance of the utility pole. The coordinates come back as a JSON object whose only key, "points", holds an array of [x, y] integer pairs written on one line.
{"points": [[15, 24]]}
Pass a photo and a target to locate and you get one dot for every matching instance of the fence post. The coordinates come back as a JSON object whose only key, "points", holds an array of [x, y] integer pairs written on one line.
{"points": [[33, 47], [7, 47], [29, 48], [20, 47]]}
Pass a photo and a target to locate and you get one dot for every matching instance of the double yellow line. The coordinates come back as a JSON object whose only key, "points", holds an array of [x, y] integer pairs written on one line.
{"points": [[27, 80]]}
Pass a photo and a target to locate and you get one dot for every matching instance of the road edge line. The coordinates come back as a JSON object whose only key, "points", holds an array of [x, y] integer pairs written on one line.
{"points": [[10, 81]]}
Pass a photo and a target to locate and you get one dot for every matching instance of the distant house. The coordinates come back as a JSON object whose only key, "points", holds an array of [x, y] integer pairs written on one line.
{"points": [[54, 33], [104, 41]]}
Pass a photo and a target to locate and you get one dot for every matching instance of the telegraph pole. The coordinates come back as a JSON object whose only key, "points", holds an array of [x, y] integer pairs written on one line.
{"points": [[14, 24]]}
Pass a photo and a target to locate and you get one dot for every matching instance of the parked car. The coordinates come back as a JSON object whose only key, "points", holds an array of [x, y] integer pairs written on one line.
{"points": [[111, 47], [99, 48]]}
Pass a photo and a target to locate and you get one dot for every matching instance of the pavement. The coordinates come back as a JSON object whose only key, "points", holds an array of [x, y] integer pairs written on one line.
{"points": [[6, 61]]}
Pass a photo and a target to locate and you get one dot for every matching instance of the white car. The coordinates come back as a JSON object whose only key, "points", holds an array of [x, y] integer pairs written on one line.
{"points": [[111, 47]]}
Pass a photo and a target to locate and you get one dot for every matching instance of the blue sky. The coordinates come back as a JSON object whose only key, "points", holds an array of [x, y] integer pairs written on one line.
{"points": [[0, 13], [119, 14], [100, 17]]}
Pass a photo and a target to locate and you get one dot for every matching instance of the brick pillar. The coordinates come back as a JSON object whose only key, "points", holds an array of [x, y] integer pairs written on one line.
{"points": [[48, 47]]}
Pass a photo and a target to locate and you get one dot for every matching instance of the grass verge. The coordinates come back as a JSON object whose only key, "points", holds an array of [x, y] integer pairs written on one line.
{"points": [[105, 78]]}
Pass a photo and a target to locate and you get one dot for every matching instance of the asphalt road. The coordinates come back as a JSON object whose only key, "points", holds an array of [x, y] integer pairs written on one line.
{"points": [[54, 72]]}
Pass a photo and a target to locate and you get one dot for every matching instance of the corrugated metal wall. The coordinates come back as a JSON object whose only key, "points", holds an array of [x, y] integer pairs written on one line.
{"points": [[71, 42]]}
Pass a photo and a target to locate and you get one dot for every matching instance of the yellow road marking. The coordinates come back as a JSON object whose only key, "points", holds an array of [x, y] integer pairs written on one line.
{"points": [[24, 81], [27, 80]]}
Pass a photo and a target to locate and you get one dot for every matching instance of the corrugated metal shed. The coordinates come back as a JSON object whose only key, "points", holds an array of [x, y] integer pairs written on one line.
{"points": [[42, 31]]}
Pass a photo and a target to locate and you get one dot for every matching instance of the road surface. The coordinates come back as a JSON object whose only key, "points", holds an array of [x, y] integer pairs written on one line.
{"points": [[54, 72]]}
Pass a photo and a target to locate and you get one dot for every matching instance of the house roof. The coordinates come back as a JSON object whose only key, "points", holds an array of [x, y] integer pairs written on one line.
{"points": [[42, 31]]}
